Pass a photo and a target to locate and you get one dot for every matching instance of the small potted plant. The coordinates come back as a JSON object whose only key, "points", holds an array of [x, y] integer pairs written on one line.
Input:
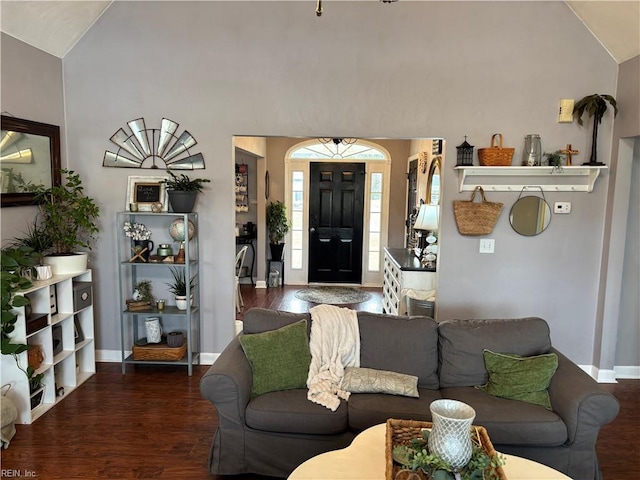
{"points": [[182, 191], [179, 287], [68, 216], [140, 235], [278, 225], [554, 159], [596, 106]]}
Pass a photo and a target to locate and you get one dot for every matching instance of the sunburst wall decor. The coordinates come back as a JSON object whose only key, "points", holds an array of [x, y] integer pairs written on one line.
{"points": [[153, 148]]}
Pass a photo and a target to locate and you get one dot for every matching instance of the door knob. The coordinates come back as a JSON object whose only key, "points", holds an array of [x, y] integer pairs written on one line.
{"points": [[312, 229]]}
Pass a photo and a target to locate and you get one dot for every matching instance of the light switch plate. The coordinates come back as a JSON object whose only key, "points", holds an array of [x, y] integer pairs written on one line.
{"points": [[565, 113], [487, 245]]}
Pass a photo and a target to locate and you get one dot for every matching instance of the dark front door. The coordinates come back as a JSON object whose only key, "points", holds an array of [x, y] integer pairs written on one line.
{"points": [[336, 204]]}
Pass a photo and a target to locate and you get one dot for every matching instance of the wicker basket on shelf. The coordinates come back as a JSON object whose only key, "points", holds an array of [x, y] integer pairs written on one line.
{"points": [[158, 351], [496, 155], [401, 432]]}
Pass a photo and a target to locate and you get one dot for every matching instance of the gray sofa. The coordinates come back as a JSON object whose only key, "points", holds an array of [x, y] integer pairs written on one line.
{"points": [[273, 433]]}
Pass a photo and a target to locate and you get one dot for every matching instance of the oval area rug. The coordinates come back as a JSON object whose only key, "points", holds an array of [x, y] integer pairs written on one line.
{"points": [[332, 295]]}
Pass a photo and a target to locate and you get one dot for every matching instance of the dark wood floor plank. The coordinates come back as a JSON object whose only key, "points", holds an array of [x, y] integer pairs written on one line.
{"points": [[152, 423]]}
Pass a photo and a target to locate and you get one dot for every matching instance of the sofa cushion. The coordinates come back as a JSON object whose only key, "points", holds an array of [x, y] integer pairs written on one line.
{"points": [[258, 320], [510, 422], [290, 412], [368, 380], [462, 342], [279, 358], [520, 378], [368, 409], [384, 338]]}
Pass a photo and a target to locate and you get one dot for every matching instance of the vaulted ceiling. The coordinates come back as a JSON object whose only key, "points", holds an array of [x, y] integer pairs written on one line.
{"points": [[55, 26]]}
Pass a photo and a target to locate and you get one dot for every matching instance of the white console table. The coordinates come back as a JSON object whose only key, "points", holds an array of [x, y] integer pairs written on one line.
{"points": [[403, 270]]}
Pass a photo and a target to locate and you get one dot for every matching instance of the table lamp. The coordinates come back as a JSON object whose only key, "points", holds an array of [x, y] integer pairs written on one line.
{"points": [[427, 221]]}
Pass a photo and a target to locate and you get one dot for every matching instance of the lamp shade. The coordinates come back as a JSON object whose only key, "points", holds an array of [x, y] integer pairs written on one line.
{"points": [[427, 218]]}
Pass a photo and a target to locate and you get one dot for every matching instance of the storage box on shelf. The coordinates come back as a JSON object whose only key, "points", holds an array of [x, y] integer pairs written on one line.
{"points": [[68, 358], [132, 320]]}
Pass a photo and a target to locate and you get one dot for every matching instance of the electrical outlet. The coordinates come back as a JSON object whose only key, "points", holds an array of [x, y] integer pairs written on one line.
{"points": [[562, 207], [487, 245], [565, 113]]}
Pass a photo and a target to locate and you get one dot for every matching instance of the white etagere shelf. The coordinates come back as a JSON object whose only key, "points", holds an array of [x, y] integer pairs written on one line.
{"points": [[514, 178], [64, 370]]}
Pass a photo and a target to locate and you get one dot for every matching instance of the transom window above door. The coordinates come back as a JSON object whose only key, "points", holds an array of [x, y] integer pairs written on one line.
{"points": [[345, 148]]}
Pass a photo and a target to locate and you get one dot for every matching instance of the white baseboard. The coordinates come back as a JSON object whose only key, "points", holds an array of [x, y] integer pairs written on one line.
{"points": [[628, 372]]}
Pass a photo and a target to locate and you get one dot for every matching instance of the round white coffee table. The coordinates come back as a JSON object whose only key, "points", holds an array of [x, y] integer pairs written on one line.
{"points": [[364, 459]]}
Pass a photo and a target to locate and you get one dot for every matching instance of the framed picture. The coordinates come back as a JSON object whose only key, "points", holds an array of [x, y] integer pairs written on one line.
{"points": [[145, 192], [77, 330]]}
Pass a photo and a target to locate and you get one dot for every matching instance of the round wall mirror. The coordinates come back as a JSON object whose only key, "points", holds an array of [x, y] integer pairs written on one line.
{"points": [[433, 182], [530, 216]]}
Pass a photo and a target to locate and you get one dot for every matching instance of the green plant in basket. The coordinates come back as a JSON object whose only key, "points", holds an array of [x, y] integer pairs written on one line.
{"points": [[416, 457]]}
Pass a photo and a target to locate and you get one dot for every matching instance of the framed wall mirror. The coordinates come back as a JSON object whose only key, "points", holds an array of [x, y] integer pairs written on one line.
{"points": [[530, 216], [433, 182], [29, 156]]}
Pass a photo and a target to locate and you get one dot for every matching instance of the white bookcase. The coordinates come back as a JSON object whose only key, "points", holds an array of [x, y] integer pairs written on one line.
{"points": [[65, 366]]}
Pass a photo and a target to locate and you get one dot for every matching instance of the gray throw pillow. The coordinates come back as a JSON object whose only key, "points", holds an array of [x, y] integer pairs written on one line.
{"points": [[368, 380]]}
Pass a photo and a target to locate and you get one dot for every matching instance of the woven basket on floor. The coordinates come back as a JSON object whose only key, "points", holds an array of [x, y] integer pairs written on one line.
{"points": [[496, 155], [401, 432], [476, 218]]}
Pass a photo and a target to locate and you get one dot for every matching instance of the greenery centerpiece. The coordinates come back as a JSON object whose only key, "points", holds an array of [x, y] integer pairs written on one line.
{"points": [[182, 191], [415, 457], [554, 158], [67, 216], [278, 225], [595, 106]]}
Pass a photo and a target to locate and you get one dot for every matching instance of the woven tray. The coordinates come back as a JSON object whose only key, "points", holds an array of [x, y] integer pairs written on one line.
{"points": [[158, 351], [401, 432]]}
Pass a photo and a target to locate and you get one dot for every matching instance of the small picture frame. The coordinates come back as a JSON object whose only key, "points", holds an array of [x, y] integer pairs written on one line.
{"points": [[146, 192], [77, 330]]}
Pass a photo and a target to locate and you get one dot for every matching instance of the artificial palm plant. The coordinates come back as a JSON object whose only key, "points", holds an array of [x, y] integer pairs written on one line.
{"points": [[596, 106]]}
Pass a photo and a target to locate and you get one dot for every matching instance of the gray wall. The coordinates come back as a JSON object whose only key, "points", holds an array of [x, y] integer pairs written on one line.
{"points": [[31, 85], [364, 69]]}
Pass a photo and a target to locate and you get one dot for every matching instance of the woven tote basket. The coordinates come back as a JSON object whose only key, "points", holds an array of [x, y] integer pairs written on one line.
{"points": [[496, 155], [476, 218]]}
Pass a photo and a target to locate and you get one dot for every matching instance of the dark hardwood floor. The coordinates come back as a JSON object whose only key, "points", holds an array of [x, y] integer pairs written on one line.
{"points": [[153, 423]]}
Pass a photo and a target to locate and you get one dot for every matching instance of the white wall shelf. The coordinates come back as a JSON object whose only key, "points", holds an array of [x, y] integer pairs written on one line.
{"points": [[514, 179]]}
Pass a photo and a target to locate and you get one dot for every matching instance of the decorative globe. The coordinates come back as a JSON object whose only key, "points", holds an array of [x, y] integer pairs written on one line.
{"points": [[176, 230]]}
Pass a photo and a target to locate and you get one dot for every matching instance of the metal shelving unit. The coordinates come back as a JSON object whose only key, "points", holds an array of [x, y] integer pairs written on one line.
{"points": [[130, 273]]}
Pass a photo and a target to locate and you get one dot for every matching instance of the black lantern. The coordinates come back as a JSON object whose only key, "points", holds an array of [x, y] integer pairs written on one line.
{"points": [[465, 154]]}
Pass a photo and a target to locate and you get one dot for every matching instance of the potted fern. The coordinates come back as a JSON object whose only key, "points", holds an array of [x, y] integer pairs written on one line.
{"points": [[596, 106], [182, 191]]}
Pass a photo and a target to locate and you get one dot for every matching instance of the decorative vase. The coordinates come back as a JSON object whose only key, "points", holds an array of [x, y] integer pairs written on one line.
{"points": [[139, 250], [450, 438]]}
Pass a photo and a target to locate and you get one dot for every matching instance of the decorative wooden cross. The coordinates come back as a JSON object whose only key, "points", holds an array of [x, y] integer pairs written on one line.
{"points": [[568, 152], [137, 255]]}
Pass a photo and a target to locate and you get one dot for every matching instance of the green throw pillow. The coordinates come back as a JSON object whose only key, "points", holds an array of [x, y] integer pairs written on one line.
{"points": [[279, 358], [520, 378]]}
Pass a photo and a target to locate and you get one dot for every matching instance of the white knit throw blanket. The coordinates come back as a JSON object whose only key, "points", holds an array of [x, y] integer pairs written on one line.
{"points": [[334, 345]]}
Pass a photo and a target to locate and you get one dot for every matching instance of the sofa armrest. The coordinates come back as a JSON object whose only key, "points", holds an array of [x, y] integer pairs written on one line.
{"points": [[583, 405], [227, 384]]}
